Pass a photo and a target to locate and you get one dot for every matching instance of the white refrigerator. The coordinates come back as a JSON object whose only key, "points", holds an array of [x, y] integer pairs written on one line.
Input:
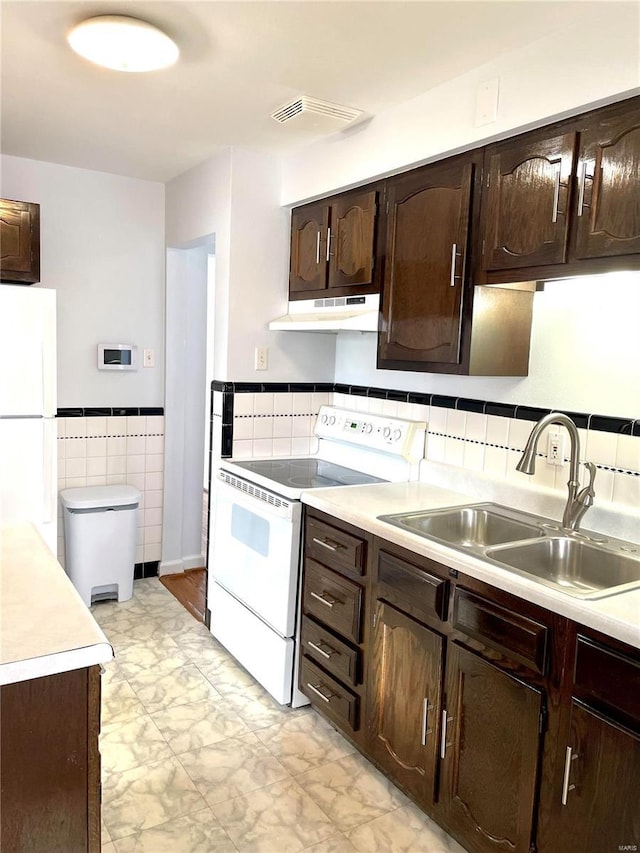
{"points": [[28, 455]]}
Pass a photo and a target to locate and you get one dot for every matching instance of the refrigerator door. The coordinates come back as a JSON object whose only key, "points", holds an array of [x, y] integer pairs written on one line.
{"points": [[27, 351], [28, 475]]}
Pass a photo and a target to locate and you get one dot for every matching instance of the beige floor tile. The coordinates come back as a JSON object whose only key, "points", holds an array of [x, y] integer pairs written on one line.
{"points": [[104, 833], [225, 674], [405, 830], [303, 741], [160, 690], [280, 817], [109, 847], [337, 844], [351, 791], [120, 703], [232, 768], [147, 796], [131, 744], [257, 708], [155, 654], [198, 724], [199, 832]]}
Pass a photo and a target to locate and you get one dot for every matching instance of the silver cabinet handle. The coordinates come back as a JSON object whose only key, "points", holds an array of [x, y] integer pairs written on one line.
{"points": [[566, 787], [425, 714], [583, 181], [321, 651], [318, 248], [327, 543], [443, 736], [324, 598], [452, 280], [556, 193], [319, 693], [328, 244]]}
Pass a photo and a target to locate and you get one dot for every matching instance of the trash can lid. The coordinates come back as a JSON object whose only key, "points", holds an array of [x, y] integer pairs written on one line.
{"points": [[94, 497]]}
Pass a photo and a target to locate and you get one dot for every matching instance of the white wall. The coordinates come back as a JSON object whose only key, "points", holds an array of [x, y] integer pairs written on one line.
{"points": [[585, 353], [592, 61], [102, 250]]}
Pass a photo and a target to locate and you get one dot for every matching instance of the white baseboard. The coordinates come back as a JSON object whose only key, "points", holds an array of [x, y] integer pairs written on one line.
{"points": [[176, 567]]}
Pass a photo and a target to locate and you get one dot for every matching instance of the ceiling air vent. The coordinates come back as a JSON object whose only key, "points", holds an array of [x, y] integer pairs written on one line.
{"points": [[314, 115]]}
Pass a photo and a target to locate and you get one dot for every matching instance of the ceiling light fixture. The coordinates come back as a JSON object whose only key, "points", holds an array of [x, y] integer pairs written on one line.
{"points": [[123, 44]]}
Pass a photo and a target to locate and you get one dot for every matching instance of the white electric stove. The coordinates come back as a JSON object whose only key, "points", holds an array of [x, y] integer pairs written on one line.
{"points": [[255, 535]]}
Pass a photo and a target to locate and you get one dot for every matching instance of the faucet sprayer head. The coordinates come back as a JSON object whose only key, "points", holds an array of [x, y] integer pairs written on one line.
{"points": [[527, 464]]}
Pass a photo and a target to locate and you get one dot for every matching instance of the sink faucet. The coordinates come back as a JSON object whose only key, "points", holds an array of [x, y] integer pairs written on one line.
{"points": [[578, 502]]}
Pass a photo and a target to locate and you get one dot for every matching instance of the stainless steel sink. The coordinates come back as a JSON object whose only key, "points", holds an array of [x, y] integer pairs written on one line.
{"points": [[475, 526], [579, 568]]}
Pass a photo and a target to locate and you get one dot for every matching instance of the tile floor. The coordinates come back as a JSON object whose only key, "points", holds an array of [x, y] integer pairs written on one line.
{"points": [[196, 757]]}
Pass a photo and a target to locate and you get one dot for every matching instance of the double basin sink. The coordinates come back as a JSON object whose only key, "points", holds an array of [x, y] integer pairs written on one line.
{"points": [[584, 565]]}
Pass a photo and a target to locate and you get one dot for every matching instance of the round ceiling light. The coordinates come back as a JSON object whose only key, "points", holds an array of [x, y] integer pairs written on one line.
{"points": [[123, 44]]}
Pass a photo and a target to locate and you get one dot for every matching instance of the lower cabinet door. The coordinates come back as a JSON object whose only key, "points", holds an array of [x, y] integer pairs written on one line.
{"points": [[600, 789], [490, 746], [404, 701]]}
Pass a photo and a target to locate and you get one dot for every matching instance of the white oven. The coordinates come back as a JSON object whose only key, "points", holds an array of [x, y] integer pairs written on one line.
{"points": [[255, 538]]}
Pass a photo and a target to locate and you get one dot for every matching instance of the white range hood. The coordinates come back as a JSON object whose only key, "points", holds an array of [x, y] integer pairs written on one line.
{"points": [[348, 313]]}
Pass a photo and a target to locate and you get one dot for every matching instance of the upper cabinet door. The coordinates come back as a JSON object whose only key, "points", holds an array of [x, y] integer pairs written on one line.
{"points": [[20, 241], [309, 226], [350, 241], [527, 202], [608, 203], [426, 250]]}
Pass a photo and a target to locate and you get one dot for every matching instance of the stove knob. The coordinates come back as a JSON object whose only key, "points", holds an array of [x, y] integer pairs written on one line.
{"points": [[332, 420], [397, 433], [324, 419], [368, 428], [386, 432]]}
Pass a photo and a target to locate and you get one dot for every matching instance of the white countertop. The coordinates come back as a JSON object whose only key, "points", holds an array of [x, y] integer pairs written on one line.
{"points": [[616, 616], [45, 628]]}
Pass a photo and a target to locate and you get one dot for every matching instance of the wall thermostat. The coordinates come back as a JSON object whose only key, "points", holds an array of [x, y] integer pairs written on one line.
{"points": [[117, 357]]}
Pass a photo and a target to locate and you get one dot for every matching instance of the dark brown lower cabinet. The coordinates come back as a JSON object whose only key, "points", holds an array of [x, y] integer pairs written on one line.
{"points": [[50, 764], [490, 746], [405, 700], [600, 791]]}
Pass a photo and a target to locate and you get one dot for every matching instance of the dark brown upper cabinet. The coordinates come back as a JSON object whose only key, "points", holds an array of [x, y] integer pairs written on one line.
{"points": [[527, 189], [426, 247], [333, 246], [20, 241], [608, 191]]}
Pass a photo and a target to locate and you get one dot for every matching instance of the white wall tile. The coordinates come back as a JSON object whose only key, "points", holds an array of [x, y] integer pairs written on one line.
{"points": [[61, 427], [282, 427], [136, 444], [320, 398], [153, 481], [76, 467], [116, 446], [242, 448], [602, 447], [75, 448], [139, 558], [301, 403], [154, 462], [135, 463], [117, 426], [96, 447], [152, 534], [495, 461], [152, 498], [436, 448], [155, 424], [473, 456], [476, 426], [263, 427], [282, 403], [152, 516], [519, 432], [390, 408], [603, 486], [282, 446], [454, 451], [302, 427], [152, 552], [62, 448], [62, 469], [262, 447], [136, 424], [626, 489], [242, 428], [243, 404], [154, 444], [438, 420], [76, 427], [497, 430], [375, 406], [628, 452], [263, 404], [314, 445], [75, 482], [137, 480], [300, 446], [97, 426], [456, 423], [116, 479], [116, 465], [100, 480], [96, 466]]}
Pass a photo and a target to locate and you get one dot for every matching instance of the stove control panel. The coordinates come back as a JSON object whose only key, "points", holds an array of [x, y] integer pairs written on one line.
{"points": [[375, 432]]}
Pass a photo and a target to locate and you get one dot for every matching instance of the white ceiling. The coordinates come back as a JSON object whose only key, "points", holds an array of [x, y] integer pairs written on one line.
{"points": [[239, 61]]}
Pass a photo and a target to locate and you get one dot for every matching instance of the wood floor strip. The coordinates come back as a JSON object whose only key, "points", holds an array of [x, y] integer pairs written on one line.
{"points": [[189, 588]]}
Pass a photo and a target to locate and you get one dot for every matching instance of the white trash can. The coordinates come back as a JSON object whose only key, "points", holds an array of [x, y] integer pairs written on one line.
{"points": [[100, 530]]}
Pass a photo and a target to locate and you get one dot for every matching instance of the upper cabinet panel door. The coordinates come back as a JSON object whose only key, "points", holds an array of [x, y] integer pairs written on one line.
{"points": [[20, 241], [309, 248], [426, 249], [608, 203], [527, 203], [350, 241]]}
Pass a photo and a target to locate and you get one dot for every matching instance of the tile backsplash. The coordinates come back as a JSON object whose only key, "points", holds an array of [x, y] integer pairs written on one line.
{"points": [[100, 450]]}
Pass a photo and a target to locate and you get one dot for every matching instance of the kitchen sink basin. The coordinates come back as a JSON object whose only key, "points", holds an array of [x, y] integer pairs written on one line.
{"points": [[571, 565], [475, 526]]}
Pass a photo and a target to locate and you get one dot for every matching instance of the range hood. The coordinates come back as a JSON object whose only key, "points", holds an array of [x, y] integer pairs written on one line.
{"points": [[349, 313]]}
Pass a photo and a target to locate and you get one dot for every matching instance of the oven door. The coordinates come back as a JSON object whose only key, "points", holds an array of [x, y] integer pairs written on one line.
{"points": [[255, 553]]}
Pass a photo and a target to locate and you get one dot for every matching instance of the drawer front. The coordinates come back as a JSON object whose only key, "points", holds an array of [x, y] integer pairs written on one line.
{"points": [[329, 696], [608, 679], [517, 637], [334, 547], [332, 599], [330, 652], [411, 588]]}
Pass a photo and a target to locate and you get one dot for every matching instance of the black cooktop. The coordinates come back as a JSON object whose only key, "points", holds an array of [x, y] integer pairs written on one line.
{"points": [[307, 473]]}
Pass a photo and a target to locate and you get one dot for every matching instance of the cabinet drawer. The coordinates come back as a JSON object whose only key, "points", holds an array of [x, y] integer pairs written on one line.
{"points": [[328, 695], [330, 652], [332, 599], [608, 679], [334, 547], [411, 588], [518, 637]]}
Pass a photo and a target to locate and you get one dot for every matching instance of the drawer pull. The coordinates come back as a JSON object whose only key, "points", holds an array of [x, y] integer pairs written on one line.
{"points": [[324, 598], [566, 787], [319, 693], [425, 716], [321, 651], [327, 543], [443, 736]]}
